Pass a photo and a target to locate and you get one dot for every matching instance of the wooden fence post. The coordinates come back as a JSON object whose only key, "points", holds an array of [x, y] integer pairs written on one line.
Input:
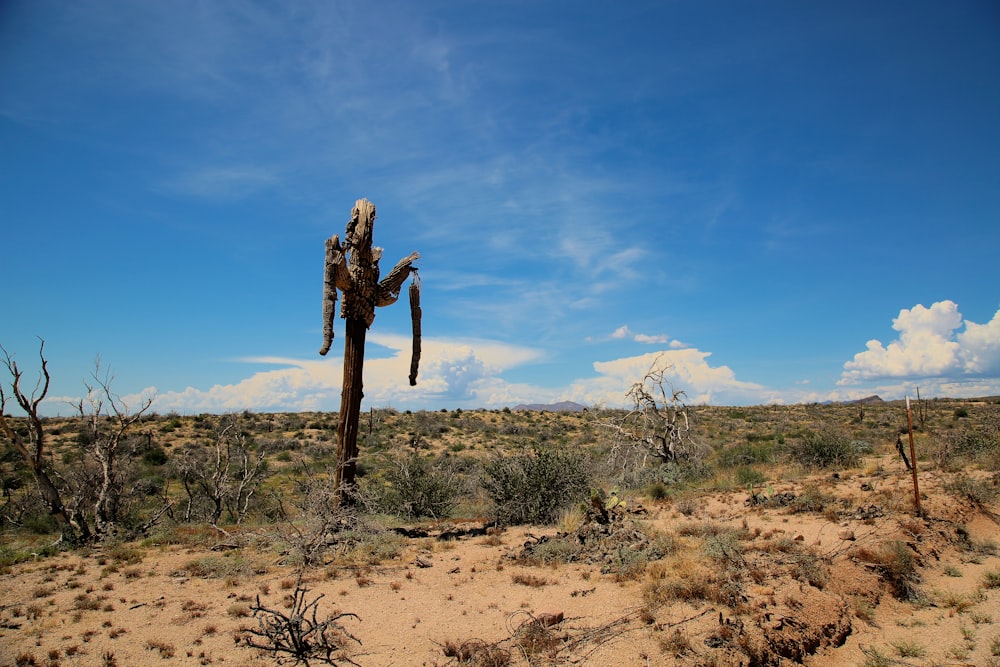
{"points": [[913, 457]]}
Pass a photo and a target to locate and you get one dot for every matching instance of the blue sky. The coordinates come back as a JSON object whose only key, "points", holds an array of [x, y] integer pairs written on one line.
{"points": [[787, 201]]}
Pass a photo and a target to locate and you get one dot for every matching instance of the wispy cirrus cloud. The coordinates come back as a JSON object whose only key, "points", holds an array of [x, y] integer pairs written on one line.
{"points": [[224, 182]]}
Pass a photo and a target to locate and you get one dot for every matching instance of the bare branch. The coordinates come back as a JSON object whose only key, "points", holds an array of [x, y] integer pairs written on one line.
{"points": [[657, 425]]}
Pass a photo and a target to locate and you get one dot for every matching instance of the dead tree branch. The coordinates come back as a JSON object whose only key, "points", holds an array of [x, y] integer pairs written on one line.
{"points": [[299, 637], [33, 449], [657, 425]]}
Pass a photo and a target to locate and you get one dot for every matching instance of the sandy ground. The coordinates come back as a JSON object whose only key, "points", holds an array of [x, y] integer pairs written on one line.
{"points": [[438, 598]]}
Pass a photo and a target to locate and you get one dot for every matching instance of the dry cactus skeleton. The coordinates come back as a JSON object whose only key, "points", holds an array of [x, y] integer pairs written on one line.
{"points": [[352, 268]]}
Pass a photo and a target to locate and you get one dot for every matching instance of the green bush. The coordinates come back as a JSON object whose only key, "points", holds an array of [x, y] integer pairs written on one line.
{"points": [[977, 491], [534, 486], [672, 475], [826, 449], [748, 453], [979, 443], [416, 488], [747, 475], [154, 456]]}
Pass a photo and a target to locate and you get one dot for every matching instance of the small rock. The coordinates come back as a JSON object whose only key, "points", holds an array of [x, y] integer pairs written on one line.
{"points": [[799, 538], [846, 534], [548, 620]]}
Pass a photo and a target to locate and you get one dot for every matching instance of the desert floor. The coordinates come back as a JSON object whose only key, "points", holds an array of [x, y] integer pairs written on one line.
{"points": [[475, 597]]}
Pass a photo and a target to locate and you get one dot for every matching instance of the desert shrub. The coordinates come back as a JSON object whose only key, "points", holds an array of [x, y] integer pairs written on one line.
{"points": [[657, 491], [155, 456], [534, 486], [746, 453], [972, 443], [418, 488], [976, 491], [810, 568], [299, 635], [812, 499], [672, 475], [747, 475], [897, 566], [477, 652], [991, 579], [827, 448]]}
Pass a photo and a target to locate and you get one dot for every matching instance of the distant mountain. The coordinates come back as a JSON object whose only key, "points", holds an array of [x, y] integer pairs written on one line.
{"points": [[874, 398], [562, 406]]}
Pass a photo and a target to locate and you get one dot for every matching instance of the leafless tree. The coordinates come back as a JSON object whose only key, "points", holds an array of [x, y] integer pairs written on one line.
{"points": [[657, 425], [109, 421], [91, 498], [227, 475], [32, 445]]}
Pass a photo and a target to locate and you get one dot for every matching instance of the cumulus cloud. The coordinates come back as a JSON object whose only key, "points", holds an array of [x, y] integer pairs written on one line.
{"points": [[625, 333], [929, 347], [621, 332], [687, 370], [453, 373]]}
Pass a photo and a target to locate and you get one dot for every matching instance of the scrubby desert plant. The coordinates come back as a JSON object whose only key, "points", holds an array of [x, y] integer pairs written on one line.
{"points": [[418, 488], [897, 566], [827, 448], [534, 486], [657, 427], [977, 442], [979, 492], [298, 636]]}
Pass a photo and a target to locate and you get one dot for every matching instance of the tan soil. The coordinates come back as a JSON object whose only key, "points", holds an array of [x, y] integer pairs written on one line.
{"points": [[70, 610]]}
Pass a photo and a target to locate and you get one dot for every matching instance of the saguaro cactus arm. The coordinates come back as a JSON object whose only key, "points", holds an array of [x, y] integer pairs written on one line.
{"points": [[335, 276], [389, 288], [415, 317]]}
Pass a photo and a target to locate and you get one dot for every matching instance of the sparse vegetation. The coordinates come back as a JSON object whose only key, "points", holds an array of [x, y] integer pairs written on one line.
{"points": [[534, 486], [513, 467], [299, 636]]}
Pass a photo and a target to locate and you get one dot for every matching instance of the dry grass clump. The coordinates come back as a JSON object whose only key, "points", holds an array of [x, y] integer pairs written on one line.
{"points": [[991, 579], [526, 579], [536, 640], [896, 564], [682, 577], [166, 650], [811, 499], [676, 643], [478, 653]]}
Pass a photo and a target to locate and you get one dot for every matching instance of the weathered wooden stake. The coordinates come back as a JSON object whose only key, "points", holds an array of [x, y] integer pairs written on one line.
{"points": [[913, 457], [353, 269]]}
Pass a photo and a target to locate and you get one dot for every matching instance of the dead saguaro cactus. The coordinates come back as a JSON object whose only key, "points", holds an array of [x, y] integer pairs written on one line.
{"points": [[352, 268]]}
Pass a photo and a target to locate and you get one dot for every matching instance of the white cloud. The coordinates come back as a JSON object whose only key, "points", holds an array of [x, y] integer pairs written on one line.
{"points": [[687, 370], [979, 346], [231, 182], [624, 332], [621, 332], [452, 373], [928, 347]]}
